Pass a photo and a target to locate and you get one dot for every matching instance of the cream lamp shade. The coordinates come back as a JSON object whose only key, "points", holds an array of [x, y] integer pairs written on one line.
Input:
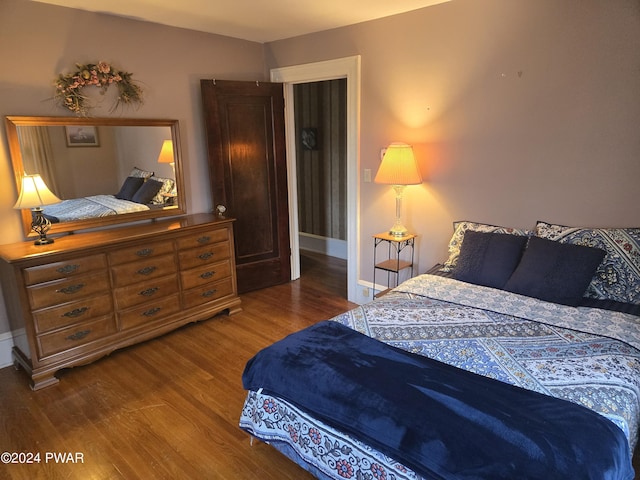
{"points": [[34, 193], [399, 169], [398, 166]]}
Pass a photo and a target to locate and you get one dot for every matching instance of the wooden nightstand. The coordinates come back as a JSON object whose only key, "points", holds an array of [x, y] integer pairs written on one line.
{"points": [[394, 262]]}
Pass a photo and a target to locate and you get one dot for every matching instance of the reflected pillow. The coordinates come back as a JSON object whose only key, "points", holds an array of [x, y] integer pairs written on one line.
{"points": [[618, 276], [458, 236], [129, 187], [167, 187], [138, 172], [147, 191], [488, 259], [555, 272]]}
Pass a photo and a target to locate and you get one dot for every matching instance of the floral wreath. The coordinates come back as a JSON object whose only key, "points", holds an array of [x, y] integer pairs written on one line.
{"points": [[69, 87]]}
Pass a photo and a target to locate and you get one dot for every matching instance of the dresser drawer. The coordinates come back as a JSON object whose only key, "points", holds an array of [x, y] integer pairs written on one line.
{"points": [[135, 272], [138, 293], [73, 312], [204, 255], [58, 270], [63, 291], [204, 238], [207, 293], [140, 252], [203, 275], [149, 312], [75, 336]]}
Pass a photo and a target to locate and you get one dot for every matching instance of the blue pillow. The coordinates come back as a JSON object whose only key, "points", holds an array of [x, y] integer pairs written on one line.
{"points": [[618, 276], [147, 191], [555, 272], [488, 259], [129, 188]]}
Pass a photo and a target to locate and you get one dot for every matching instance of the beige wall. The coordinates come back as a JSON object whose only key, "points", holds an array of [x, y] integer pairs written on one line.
{"points": [[39, 41], [519, 110]]}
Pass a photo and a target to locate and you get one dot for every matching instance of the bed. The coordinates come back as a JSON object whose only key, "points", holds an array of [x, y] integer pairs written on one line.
{"points": [[93, 206], [519, 357], [139, 192]]}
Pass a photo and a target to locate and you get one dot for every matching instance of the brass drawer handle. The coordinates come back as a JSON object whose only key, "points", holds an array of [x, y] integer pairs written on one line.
{"points": [[71, 289], [67, 269], [149, 291], [151, 312], [145, 252], [209, 293], [76, 312], [209, 274], [147, 270], [79, 335], [204, 239], [205, 256]]}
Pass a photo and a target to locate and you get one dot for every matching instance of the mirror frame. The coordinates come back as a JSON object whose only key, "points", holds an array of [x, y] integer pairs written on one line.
{"points": [[12, 122]]}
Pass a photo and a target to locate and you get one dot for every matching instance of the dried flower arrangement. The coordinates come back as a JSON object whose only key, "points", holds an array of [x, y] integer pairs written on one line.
{"points": [[69, 87]]}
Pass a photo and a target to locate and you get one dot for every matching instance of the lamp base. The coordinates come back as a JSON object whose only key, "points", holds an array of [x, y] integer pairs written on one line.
{"points": [[43, 241], [41, 225], [398, 230]]}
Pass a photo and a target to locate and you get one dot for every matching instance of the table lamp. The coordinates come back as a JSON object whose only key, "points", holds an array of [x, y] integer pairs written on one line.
{"points": [[34, 194], [166, 155], [398, 169]]}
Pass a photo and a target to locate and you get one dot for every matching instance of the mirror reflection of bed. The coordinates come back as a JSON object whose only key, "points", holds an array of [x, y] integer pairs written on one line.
{"points": [[101, 169], [140, 191]]}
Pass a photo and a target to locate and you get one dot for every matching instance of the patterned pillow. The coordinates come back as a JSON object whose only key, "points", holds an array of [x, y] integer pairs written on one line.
{"points": [[167, 187], [618, 276], [137, 172], [458, 235]]}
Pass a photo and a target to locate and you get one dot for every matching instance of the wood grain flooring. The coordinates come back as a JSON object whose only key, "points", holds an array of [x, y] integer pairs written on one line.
{"points": [[167, 408]]}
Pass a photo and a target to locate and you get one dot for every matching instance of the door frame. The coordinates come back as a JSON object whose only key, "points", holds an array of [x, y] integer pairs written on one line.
{"points": [[349, 68]]}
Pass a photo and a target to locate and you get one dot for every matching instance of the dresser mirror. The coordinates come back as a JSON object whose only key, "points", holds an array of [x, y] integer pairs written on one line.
{"points": [[105, 170]]}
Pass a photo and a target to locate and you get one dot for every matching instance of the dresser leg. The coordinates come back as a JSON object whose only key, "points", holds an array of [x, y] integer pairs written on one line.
{"points": [[38, 380], [43, 380]]}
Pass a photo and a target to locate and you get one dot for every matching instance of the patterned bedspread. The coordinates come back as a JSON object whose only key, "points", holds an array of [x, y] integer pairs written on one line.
{"points": [[91, 207], [584, 355]]}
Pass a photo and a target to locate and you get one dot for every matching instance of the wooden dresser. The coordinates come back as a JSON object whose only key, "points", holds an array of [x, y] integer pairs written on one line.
{"points": [[89, 294]]}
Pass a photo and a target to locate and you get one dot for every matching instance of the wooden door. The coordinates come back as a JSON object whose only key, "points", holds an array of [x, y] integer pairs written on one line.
{"points": [[244, 124]]}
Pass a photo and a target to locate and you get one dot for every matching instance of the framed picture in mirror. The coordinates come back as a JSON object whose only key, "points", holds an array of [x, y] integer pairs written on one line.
{"points": [[81, 136]]}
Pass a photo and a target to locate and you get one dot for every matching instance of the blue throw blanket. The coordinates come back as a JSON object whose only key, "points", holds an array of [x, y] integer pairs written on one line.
{"points": [[441, 421]]}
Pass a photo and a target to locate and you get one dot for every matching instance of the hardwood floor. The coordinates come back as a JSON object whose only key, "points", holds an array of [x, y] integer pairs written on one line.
{"points": [[167, 408]]}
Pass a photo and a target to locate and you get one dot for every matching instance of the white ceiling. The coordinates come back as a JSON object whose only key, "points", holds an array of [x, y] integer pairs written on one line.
{"points": [[256, 20]]}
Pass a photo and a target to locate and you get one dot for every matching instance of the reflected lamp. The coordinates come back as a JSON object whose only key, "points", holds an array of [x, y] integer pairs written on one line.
{"points": [[398, 169], [34, 193], [166, 155]]}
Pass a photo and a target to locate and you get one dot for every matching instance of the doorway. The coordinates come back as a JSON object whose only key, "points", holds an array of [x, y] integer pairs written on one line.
{"points": [[321, 161], [349, 69], [321, 165]]}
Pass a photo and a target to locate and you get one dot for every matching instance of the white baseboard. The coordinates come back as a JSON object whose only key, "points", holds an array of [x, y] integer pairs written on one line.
{"points": [[6, 344], [327, 246]]}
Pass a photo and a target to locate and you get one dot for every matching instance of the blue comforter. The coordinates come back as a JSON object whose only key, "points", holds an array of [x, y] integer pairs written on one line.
{"points": [[443, 422]]}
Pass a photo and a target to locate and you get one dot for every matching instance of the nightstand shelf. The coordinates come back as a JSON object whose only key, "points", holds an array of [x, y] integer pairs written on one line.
{"points": [[400, 253]]}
